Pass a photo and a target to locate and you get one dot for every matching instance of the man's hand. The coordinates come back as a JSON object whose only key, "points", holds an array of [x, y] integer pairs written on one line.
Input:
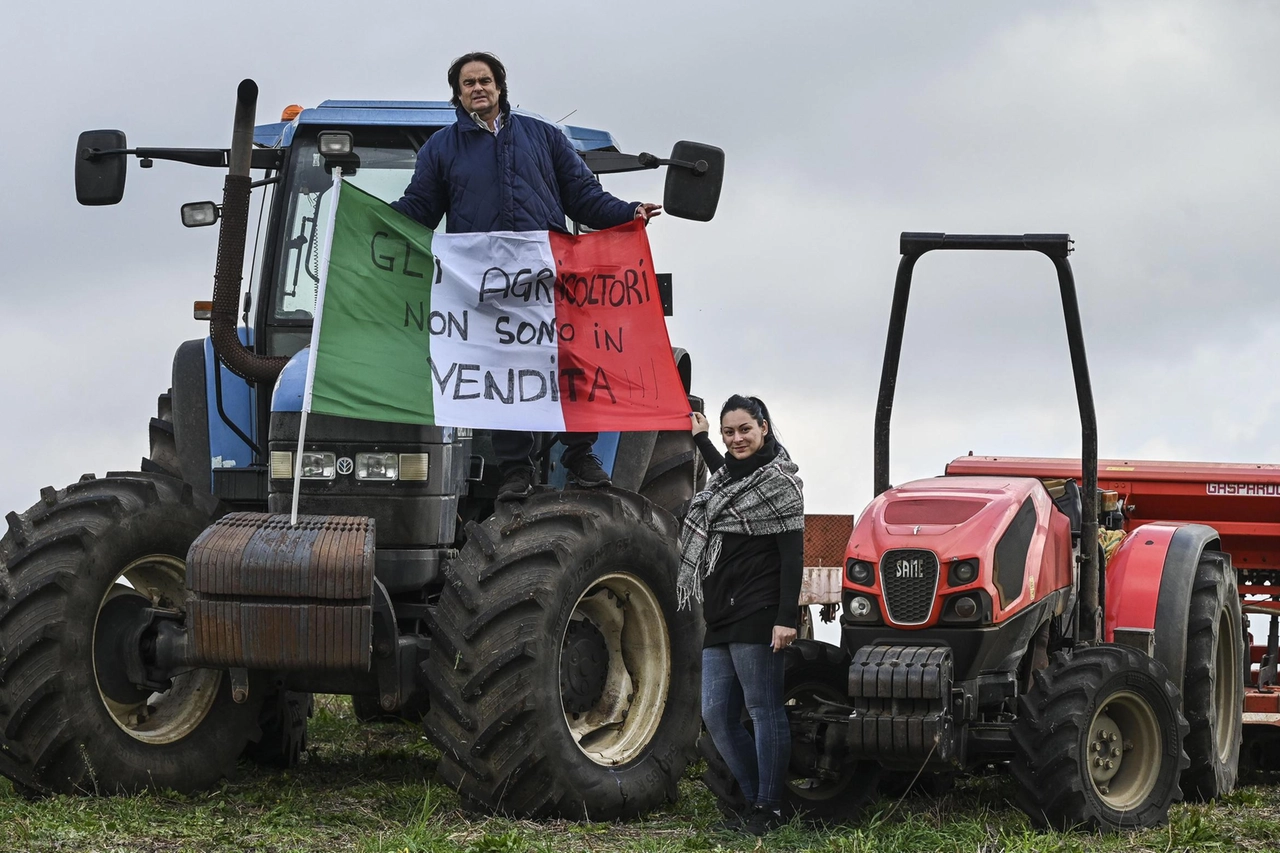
{"points": [[646, 211], [700, 424], [783, 637]]}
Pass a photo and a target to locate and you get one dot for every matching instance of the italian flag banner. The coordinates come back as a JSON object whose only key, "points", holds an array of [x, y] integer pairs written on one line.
{"points": [[532, 331]]}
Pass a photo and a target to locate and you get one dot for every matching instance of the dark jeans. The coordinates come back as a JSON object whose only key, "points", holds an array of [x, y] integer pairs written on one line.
{"points": [[513, 447], [735, 675]]}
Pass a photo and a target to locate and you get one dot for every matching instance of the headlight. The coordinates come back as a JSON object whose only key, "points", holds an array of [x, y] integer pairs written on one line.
{"points": [[317, 465], [859, 609], [335, 143], [377, 466], [964, 572], [859, 572], [969, 608], [198, 213]]}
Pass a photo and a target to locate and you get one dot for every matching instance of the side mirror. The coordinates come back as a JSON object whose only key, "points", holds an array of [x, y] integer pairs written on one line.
{"points": [[694, 176], [196, 214], [100, 167]]}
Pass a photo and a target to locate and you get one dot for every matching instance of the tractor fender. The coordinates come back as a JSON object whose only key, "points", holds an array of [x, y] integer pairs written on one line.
{"points": [[1149, 586], [291, 384], [191, 413], [239, 403]]}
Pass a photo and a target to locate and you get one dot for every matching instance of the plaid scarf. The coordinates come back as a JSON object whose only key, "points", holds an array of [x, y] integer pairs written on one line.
{"points": [[769, 500]]}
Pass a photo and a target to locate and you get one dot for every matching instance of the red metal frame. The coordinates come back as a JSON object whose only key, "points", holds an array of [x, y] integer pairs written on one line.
{"points": [[1240, 501]]}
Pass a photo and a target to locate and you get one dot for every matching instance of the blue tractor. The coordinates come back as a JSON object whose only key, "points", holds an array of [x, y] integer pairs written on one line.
{"points": [[158, 625]]}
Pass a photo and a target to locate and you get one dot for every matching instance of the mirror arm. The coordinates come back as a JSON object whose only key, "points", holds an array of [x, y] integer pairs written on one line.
{"points": [[216, 157], [649, 161], [263, 158], [609, 162]]}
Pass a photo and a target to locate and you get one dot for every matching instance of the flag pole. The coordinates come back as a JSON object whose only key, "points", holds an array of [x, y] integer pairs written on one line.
{"points": [[315, 341]]}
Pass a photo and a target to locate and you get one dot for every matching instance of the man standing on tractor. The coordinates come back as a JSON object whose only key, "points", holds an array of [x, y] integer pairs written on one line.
{"points": [[495, 170]]}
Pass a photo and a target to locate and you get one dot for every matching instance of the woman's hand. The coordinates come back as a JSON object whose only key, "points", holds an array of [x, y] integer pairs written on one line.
{"points": [[700, 424], [783, 637]]}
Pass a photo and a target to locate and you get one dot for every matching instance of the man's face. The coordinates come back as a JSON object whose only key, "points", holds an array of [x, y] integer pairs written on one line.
{"points": [[477, 90]]}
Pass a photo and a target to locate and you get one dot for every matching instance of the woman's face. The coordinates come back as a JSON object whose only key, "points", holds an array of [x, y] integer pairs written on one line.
{"points": [[742, 435]]}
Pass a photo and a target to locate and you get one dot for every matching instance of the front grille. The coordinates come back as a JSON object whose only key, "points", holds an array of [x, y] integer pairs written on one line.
{"points": [[909, 578]]}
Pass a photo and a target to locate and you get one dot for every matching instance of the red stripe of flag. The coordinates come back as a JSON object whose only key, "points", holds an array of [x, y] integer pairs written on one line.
{"points": [[617, 361]]}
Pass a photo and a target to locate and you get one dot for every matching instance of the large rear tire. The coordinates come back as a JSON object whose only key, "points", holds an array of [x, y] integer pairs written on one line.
{"points": [[80, 564], [816, 673], [1213, 685], [163, 455], [563, 679], [1098, 742], [675, 472]]}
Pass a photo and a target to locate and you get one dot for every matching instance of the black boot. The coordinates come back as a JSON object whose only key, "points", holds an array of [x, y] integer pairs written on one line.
{"points": [[586, 470], [764, 820], [517, 482], [733, 819]]}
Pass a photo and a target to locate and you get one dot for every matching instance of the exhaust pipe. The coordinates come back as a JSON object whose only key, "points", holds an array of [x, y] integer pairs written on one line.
{"points": [[232, 234]]}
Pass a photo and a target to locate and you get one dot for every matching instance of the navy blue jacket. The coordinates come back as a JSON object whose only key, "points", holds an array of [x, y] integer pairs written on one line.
{"points": [[526, 178]]}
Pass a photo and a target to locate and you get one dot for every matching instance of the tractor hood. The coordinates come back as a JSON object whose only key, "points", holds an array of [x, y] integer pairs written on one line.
{"points": [[914, 536]]}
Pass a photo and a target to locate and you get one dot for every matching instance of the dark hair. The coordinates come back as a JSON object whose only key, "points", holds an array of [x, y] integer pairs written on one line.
{"points": [[495, 65], [753, 406]]}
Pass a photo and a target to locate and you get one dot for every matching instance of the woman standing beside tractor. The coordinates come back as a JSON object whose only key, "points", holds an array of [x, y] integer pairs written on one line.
{"points": [[742, 555]]}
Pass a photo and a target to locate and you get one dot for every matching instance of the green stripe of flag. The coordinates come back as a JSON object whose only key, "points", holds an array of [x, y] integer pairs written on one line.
{"points": [[371, 359]]}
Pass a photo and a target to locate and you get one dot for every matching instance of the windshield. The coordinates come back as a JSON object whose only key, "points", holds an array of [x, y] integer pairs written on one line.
{"points": [[385, 169]]}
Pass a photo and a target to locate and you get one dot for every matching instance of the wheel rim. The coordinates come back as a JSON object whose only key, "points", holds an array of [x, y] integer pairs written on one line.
{"points": [[612, 720], [805, 696], [1226, 688], [150, 717], [1124, 751]]}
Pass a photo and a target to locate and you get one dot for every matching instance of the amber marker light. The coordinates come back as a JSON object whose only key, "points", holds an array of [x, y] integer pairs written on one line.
{"points": [[203, 310], [291, 112]]}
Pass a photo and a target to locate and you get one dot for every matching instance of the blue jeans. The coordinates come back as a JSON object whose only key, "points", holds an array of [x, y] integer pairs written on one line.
{"points": [[737, 675]]}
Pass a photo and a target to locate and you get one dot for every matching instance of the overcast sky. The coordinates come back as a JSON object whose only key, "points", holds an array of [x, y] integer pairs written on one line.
{"points": [[1147, 130]]}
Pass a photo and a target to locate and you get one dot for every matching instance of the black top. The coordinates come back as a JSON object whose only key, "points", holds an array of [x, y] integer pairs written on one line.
{"points": [[756, 582]]}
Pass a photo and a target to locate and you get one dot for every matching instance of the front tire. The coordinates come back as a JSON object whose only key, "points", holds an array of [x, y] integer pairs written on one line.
{"points": [[282, 723], [1098, 742], [563, 679], [80, 565]]}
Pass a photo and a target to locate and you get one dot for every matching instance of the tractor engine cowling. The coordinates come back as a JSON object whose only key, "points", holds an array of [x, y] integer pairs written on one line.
{"points": [[408, 478], [962, 556]]}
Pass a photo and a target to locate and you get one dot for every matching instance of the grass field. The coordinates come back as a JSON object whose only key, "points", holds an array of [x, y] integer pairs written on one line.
{"points": [[371, 788]]}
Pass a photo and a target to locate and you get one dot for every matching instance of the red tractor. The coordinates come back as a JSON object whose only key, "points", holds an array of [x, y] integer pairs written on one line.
{"points": [[1233, 508], [1003, 617]]}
